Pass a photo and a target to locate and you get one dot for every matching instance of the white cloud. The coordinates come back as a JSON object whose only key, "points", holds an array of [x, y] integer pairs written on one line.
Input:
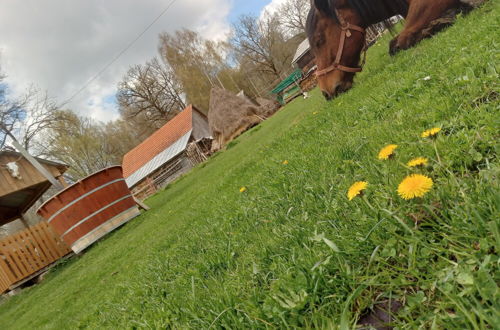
{"points": [[60, 44], [272, 7]]}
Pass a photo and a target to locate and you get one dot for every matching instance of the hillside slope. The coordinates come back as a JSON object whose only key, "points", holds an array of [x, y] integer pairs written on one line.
{"points": [[292, 250]]}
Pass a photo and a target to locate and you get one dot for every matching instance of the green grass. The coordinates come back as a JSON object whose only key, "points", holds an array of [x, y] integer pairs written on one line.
{"points": [[292, 251]]}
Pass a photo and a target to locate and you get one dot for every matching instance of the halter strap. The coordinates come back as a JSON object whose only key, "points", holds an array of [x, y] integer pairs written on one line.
{"points": [[346, 33]]}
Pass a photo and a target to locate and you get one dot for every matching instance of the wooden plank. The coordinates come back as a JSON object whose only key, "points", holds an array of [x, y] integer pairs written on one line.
{"points": [[15, 285], [36, 164], [21, 251], [59, 247], [34, 250], [16, 242], [31, 249], [52, 240], [141, 204], [30, 176], [14, 260], [47, 237], [4, 280], [50, 247], [47, 247], [7, 272], [44, 250], [27, 251], [11, 269]]}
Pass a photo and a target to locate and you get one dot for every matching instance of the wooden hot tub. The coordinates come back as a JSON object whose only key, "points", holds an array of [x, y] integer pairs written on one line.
{"points": [[91, 208]]}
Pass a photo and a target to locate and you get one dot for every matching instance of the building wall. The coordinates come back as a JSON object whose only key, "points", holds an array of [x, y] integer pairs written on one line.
{"points": [[157, 181], [30, 175], [305, 62], [201, 129]]}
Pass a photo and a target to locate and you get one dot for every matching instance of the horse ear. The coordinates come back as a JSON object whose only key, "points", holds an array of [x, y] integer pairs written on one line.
{"points": [[322, 5]]}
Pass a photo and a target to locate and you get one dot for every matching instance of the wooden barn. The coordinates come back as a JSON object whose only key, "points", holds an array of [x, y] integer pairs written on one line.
{"points": [[304, 58], [305, 61], [167, 154], [27, 253]]}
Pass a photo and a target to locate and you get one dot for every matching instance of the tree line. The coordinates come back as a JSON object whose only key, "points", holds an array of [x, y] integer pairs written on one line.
{"points": [[255, 57]]}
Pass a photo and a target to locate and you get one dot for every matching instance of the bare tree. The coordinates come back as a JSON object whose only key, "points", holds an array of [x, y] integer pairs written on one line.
{"points": [[150, 94], [196, 62], [87, 145], [42, 113], [263, 49], [26, 117], [254, 40], [11, 112], [293, 16]]}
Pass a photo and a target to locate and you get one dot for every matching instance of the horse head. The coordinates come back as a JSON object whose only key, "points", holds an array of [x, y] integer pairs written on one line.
{"points": [[337, 39]]}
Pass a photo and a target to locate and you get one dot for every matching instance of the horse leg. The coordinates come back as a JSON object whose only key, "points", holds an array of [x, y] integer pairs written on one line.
{"points": [[421, 15]]}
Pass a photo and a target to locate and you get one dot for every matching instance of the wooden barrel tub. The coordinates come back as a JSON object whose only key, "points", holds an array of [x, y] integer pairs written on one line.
{"points": [[91, 208]]}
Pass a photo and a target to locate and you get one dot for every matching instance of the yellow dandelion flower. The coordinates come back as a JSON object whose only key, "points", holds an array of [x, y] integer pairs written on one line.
{"points": [[387, 152], [356, 189], [431, 132], [419, 161], [415, 185], [285, 162], [243, 189]]}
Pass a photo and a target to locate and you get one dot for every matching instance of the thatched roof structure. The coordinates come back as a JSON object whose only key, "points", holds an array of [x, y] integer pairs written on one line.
{"points": [[230, 115]]}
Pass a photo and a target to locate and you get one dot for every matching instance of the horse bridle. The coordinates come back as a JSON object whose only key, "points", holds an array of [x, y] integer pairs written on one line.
{"points": [[346, 33]]}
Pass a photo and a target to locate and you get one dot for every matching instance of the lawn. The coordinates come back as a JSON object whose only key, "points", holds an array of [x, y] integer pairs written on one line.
{"points": [[292, 250]]}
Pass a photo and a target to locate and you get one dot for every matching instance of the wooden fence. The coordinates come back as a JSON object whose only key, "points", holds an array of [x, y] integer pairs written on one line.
{"points": [[26, 253]]}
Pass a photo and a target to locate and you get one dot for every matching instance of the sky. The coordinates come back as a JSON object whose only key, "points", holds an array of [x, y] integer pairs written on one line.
{"points": [[59, 45]]}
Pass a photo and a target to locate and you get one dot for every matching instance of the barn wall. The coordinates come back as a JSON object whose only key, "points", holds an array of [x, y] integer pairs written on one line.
{"points": [[305, 61], [201, 128], [186, 166], [157, 181]]}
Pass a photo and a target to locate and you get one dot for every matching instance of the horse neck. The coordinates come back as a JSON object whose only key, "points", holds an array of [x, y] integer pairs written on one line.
{"points": [[383, 9]]}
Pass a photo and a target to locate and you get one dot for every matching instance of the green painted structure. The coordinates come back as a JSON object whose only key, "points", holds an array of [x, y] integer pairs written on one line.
{"points": [[289, 87]]}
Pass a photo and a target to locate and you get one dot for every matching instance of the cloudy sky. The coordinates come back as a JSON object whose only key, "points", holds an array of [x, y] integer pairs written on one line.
{"points": [[59, 45]]}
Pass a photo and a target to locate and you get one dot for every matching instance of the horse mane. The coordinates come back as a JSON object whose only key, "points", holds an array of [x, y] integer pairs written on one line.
{"points": [[371, 11], [312, 20], [375, 11]]}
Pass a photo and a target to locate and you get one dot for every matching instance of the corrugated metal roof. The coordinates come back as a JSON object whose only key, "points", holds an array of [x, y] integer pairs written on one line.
{"points": [[159, 160], [303, 48], [158, 142]]}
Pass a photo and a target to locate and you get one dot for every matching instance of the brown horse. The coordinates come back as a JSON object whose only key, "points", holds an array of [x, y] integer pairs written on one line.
{"points": [[336, 32]]}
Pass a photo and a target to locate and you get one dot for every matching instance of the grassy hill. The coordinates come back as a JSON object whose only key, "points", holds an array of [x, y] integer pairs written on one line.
{"points": [[292, 250]]}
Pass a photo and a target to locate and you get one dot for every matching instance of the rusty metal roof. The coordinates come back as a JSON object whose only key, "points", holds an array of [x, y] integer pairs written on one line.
{"points": [[159, 160], [157, 143]]}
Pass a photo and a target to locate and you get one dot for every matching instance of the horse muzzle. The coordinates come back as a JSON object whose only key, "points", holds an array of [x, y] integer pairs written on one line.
{"points": [[339, 89]]}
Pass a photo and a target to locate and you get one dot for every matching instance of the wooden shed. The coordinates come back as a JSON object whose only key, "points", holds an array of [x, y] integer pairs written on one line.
{"points": [[21, 184], [27, 253], [304, 58], [305, 61], [166, 154]]}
